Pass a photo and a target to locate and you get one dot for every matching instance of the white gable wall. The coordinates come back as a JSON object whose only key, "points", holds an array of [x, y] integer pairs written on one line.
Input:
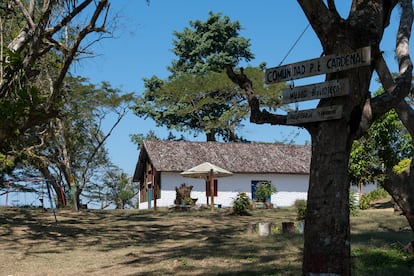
{"points": [[289, 187]]}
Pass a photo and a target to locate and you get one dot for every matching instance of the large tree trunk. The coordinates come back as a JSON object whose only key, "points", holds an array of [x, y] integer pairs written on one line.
{"points": [[76, 192], [77, 198], [211, 136], [327, 230], [61, 200], [401, 188], [327, 233]]}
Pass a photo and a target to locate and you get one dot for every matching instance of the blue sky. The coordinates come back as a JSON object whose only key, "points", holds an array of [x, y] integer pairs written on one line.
{"points": [[143, 44]]}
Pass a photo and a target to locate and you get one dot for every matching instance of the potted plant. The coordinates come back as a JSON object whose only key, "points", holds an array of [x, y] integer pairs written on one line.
{"points": [[301, 213], [264, 191]]}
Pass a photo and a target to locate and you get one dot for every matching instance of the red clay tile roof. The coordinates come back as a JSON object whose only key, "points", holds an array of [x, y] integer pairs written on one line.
{"points": [[178, 156]]}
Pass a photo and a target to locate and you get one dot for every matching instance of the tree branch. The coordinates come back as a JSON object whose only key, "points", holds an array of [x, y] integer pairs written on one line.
{"points": [[332, 7], [400, 185], [64, 22], [27, 13], [396, 91], [319, 16], [82, 34], [100, 145], [256, 115], [403, 180], [406, 113]]}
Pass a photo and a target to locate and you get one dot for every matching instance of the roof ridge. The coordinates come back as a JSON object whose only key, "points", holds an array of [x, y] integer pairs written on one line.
{"points": [[227, 143]]}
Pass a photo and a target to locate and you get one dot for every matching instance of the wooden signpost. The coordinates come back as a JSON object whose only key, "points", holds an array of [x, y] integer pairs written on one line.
{"points": [[315, 115], [320, 90], [329, 89], [318, 66]]}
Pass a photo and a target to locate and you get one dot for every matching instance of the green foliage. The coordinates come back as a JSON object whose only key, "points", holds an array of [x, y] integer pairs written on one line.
{"points": [[366, 199], [300, 205], [139, 138], [124, 192], [209, 45], [73, 145], [208, 103], [382, 147], [82, 133], [264, 190], [364, 202], [241, 204], [378, 194], [402, 166], [363, 163], [117, 189], [6, 163], [393, 142], [26, 103], [33, 68]]}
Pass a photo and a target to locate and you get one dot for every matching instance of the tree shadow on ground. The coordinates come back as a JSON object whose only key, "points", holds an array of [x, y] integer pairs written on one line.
{"points": [[377, 261], [148, 238], [380, 252], [190, 243], [382, 205]]}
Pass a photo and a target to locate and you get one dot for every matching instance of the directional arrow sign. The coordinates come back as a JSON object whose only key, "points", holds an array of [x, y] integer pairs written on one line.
{"points": [[315, 115], [318, 66], [321, 90]]}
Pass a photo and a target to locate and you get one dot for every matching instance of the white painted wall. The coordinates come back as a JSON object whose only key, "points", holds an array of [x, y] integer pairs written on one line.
{"points": [[290, 188]]}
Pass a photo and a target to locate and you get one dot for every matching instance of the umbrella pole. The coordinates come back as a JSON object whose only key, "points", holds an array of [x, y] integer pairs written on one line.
{"points": [[211, 191]]}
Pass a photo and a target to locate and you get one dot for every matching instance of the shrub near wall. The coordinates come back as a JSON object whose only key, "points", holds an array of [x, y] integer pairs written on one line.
{"points": [[242, 204], [366, 199], [300, 206]]}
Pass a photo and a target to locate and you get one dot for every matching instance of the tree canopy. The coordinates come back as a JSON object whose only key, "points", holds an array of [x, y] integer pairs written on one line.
{"points": [[40, 41], [74, 145], [198, 97], [209, 45], [386, 143]]}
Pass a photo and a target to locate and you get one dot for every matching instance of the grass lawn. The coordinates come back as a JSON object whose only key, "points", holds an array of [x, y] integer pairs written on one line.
{"points": [[141, 242]]}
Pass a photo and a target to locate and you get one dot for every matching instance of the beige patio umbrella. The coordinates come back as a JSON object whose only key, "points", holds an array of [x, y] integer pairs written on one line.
{"points": [[208, 172]]}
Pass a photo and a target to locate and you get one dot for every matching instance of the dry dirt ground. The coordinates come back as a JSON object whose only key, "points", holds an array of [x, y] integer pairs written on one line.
{"points": [[133, 242], [140, 242]]}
